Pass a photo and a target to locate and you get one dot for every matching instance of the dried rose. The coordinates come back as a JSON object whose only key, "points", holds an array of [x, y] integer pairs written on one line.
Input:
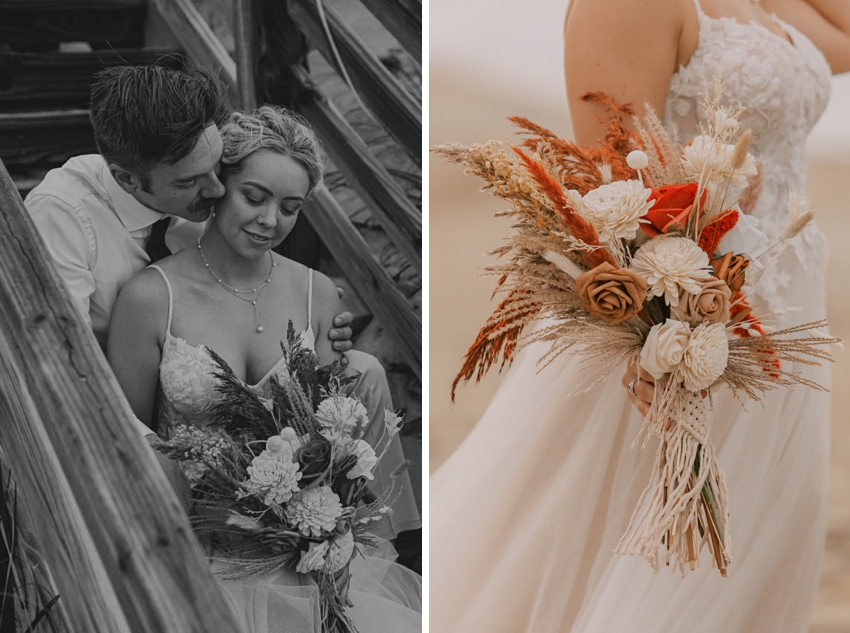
{"points": [[664, 347], [710, 305], [730, 268], [612, 294], [314, 457], [672, 206]]}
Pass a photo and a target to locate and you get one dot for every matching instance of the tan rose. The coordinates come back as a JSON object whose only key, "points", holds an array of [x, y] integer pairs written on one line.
{"points": [[730, 268], [612, 294], [710, 305]]}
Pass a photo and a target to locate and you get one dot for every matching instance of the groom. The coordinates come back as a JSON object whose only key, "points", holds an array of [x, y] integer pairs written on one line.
{"points": [[106, 217]]}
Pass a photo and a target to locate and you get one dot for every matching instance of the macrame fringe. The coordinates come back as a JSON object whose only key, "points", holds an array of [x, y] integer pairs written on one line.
{"points": [[685, 504]]}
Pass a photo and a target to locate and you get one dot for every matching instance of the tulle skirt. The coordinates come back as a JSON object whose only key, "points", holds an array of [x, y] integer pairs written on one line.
{"points": [[387, 599], [526, 514]]}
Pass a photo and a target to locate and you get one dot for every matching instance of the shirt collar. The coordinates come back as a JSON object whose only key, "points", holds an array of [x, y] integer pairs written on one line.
{"points": [[132, 213]]}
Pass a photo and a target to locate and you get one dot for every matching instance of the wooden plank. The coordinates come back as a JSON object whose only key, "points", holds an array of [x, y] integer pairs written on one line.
{"points": [[245, 36], [367, 276], [63, 80], [404, 25], [33, 21], [366, 175], [45, 138], [118, 545], [199, 41], [396, 108]]}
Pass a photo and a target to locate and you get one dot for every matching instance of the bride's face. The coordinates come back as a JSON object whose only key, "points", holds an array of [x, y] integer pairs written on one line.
{"points": [[261, 203]]}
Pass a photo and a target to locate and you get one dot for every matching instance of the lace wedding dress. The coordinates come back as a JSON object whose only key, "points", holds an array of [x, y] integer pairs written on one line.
{"points": [[526, 514], [386, 596]]}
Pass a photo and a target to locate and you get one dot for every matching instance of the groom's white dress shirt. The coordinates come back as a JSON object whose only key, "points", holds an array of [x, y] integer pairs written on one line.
{"points": [[96, 234]]}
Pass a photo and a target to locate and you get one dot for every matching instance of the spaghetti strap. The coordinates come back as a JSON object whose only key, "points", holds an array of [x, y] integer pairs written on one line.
{"points": [[310, 298], [698, 7], [170, 297]]}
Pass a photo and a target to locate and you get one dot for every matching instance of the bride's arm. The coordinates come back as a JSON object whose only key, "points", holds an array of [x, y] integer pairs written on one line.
{"points": [[825, 22], [135, 338], [326, 305], [627, 49]]}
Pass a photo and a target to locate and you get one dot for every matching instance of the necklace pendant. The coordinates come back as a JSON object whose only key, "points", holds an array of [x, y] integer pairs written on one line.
{"points": [[259, 329]]}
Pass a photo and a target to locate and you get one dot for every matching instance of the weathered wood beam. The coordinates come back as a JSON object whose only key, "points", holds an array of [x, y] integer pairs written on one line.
{"points": [[366, 175], [118, 22], [404, 25], [63, 80], [112, 531], [44, 138], [375, 287], [395, 107], [245, 36], [199, 41]]}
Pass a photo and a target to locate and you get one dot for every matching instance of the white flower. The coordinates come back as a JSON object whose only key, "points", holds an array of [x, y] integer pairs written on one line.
{"points": [[670, 263], [705, 357], [745, 238], [339, 554], [343, 411], [273, 476], [664, 347], [289, 436], [366, 460], [392, 422], [314, 511], [712, 161], [723, 123], [313, 558], [338, 438], [615, 209]]}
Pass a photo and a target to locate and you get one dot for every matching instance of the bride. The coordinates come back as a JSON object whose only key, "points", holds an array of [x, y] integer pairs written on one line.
{"points": [[232, 294], [527, 512]]}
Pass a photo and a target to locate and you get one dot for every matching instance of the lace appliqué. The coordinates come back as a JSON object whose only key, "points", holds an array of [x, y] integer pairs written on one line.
{"points": [[784, 87]]}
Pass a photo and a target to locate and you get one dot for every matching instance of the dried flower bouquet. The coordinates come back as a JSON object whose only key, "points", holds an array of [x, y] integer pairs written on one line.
{"points": [[643, 250], [282, 482]]}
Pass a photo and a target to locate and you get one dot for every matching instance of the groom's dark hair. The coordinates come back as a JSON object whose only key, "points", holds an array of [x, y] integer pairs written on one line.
{"points": [[149, 114]]}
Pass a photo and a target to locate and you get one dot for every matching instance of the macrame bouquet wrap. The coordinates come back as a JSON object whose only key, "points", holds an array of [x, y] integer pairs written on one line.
{"points": [[642, 250]]}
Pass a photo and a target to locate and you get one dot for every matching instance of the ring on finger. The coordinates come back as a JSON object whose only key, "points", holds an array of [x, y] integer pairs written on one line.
{"points": [[631, 387]]}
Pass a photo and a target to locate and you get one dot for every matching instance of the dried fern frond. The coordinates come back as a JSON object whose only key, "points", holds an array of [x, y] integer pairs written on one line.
{"points": [[577, 225], [498, 338]]}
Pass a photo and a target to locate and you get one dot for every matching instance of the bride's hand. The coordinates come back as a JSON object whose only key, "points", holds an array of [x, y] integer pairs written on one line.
{"points": [[643, 387]]}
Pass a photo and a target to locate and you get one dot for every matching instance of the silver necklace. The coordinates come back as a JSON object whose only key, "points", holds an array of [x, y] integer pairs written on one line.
{"points": [[234, 291]]}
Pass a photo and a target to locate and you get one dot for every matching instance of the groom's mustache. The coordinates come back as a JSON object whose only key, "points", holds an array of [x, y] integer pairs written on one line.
{"points": [[202, 206]]}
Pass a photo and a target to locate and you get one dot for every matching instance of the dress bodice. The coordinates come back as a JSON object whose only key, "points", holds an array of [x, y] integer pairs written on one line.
{"points": [[187, 372], [783, 84]]}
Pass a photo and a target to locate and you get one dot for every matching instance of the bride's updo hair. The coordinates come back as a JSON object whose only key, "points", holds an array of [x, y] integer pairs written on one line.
{"points": [[274, 129]]}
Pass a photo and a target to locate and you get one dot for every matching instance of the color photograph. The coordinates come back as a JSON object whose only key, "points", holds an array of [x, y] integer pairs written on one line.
{"points": [[628, 483]]}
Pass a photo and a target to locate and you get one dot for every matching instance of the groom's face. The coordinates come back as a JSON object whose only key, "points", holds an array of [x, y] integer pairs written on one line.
{"points": [[190, 187]]}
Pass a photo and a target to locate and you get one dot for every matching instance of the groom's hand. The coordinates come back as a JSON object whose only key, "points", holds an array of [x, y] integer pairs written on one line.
{"points": [[340, 334]]}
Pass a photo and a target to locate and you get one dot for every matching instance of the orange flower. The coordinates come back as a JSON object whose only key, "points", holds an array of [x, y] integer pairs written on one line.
{"points": [[673, 205], [730, 268]]}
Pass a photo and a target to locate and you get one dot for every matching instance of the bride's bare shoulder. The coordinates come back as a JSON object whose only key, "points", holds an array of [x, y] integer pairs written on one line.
{"points": [[628, 49]]}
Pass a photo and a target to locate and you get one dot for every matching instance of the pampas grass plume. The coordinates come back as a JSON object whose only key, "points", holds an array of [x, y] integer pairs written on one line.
{"points": [[799, 215], [563, 263], [739, 154]]}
